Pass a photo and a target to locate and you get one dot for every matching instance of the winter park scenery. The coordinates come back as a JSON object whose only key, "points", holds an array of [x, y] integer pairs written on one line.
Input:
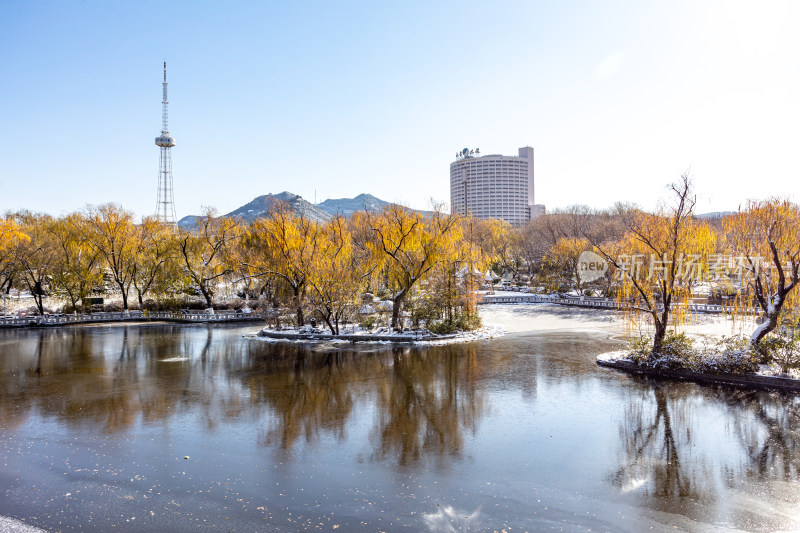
{"points": [[406, 338]]}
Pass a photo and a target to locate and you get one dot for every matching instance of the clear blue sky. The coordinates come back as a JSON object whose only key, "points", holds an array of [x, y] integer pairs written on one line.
{"points": [[338, 98]]}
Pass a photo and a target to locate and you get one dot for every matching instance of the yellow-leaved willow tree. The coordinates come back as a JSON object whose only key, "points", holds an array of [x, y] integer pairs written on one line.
{"points": [[563, 258], [204, 253], [156, 255], [406, 246], [10, 235], [765, 236], [655, 254], [78, 264], [283, 246], [35, 257], [338, 274], [111, 232]]}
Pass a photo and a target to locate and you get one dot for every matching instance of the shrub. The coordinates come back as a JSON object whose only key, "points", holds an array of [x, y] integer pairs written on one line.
{"points": [[461, 322], [677, 345], [640, 348], [782, 349], [677, 351], [368, 322], [729, 355]]}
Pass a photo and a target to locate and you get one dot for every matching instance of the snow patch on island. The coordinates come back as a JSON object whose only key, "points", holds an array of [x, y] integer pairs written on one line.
{"points": [[617, 355], [422, 337]]}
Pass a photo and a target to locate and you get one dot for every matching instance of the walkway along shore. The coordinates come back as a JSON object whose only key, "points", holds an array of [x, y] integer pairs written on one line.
{"points": [[232, 316], [590, 302], [131, 316]]}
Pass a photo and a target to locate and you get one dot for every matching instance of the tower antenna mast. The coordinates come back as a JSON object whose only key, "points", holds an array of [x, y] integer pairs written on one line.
{"points": [[165, 204]]}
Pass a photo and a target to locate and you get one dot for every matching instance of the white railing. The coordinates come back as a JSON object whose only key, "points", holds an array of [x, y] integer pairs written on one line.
{"points": [[603, 303], [182, 316]]}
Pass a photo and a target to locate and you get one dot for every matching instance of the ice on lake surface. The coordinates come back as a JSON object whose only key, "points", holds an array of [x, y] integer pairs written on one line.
{"points": [[520, 432]]}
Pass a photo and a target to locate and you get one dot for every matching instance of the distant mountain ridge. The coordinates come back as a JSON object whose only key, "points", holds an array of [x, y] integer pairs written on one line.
{"points": [[716, 214], [348, 206], [260, 207]]}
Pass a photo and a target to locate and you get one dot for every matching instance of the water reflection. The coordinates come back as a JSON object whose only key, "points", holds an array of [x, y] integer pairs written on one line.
{"points": [[427, 403], [654, 435], [513, 427], [106, 377], [685, 448], [767, 427], [112, 378], [306, 392]]}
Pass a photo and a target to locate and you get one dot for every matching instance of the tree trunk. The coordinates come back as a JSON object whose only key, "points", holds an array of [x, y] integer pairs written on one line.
{"points": [[207, 296], [397, 304], [658, 338], [124, 296], [39, 303], [770, 322], [298, 307], [327, 320]]}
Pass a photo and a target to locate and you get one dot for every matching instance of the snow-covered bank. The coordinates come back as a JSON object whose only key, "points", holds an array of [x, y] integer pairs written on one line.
{"points": [[765, 378], [520, 318], [499, 319], [308, 334]]}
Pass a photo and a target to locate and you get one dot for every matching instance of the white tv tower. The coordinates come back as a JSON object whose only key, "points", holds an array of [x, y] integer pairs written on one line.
{"points": [[165, 207]]}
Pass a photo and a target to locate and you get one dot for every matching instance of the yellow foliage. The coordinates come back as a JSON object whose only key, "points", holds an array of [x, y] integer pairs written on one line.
{"points": [[765, 238]]}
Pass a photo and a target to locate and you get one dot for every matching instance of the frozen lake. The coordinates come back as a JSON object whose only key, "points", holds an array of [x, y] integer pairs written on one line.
{"points": [[186, 428]]}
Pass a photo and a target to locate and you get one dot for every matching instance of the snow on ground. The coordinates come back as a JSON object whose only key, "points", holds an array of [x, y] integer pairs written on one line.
{"points": [[617, 355], [520, 318], [485, 332], [15, 526], [775, 370], [550, 317], [499, 319]]}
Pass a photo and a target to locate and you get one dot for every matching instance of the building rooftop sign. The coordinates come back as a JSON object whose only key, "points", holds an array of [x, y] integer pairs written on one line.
{"points": [[466, 153]]}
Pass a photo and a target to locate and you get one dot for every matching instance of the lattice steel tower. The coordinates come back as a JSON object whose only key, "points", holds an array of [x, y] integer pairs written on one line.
{"points": [[165, 208]]}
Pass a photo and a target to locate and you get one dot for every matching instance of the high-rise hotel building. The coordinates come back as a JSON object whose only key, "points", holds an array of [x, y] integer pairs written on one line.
{"points": [[494, 186]]}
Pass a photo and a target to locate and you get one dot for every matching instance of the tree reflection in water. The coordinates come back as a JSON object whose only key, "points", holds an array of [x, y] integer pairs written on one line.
{"points": [[426, 403], [654, 434], [105, 377], [307, 392], [113, 378], [661, 436], [424, 399], [768, 428]]}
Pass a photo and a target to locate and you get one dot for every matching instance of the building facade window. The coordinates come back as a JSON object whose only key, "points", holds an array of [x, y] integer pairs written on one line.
{"points": [[495, 186]]}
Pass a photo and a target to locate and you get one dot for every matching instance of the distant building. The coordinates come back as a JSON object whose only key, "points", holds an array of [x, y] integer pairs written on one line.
{"points": [[494, 186]]}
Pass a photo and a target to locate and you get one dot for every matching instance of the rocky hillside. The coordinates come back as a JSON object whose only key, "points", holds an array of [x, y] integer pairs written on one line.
{"points": [[348, 206], [260, 207]]}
